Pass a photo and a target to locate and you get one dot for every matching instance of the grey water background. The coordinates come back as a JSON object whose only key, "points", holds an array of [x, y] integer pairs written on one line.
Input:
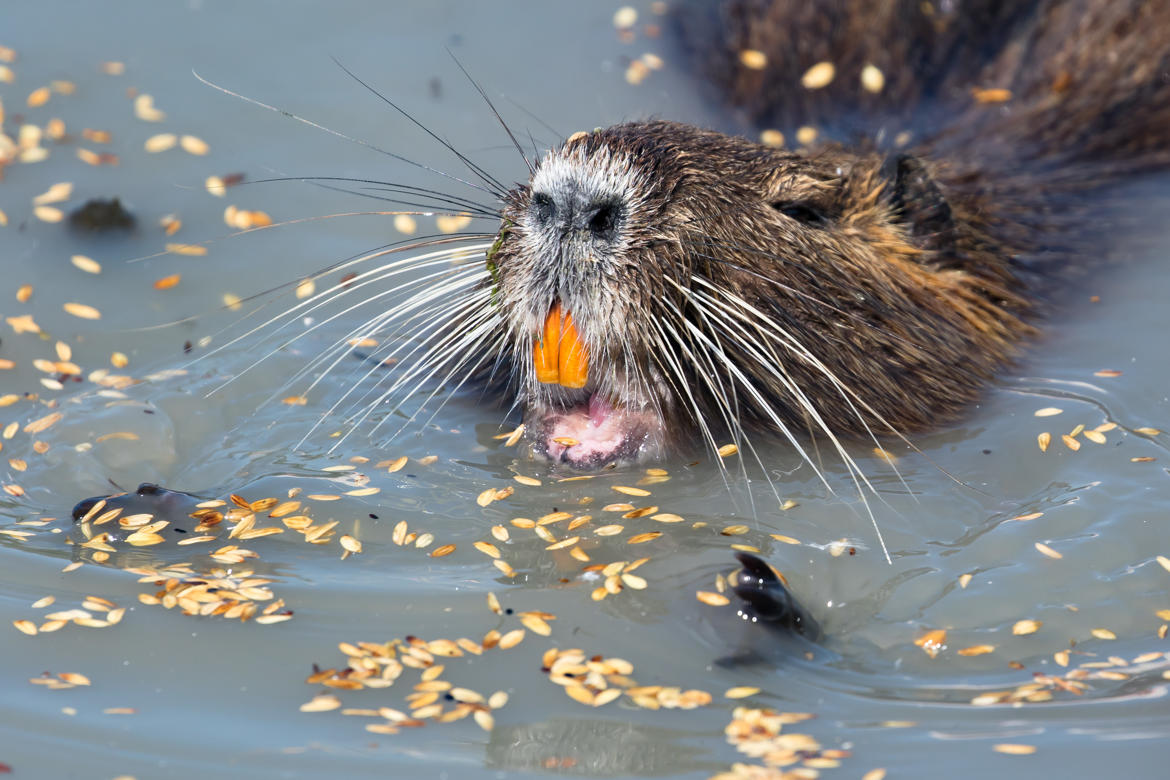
{"points": [[211, 695]]}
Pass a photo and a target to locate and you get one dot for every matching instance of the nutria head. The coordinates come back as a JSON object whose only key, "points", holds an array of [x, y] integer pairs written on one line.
{"points": [[659, 281]]}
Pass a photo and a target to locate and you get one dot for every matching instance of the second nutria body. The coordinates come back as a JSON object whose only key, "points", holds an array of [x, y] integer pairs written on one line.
{"points": [[654, 279]]}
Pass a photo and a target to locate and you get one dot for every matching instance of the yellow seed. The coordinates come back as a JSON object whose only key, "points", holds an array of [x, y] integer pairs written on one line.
{"points": [[773, 138], [405, 224], [753, 59], [728, 449], [818, 76], [1046, 550], [631, 491], [872, 79], [741, 692], [625, 17], [1024, 627], [1014, 750], [1044, 439], [1103, 633], [194, 145], [713, 599], [160, 143]]}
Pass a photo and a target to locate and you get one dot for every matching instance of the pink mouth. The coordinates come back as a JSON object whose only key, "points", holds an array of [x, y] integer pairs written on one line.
{"points": [[596, 433]]}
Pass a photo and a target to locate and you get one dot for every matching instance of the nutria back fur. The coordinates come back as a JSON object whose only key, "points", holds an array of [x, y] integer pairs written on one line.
{"points": [[872, 282]]}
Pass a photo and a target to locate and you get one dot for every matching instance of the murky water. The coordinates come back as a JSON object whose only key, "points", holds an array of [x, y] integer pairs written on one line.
{"points": [[177, 696]]}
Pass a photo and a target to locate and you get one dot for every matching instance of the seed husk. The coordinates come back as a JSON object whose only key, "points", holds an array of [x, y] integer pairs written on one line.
{"points": [[1046, 550], [1025, 627], [818, 76], [1014, 749], [753, 59], [741, 692], [872, 79], [711, 598]]}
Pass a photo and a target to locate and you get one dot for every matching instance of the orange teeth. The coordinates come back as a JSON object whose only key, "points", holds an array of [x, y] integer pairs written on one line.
{"points": [[559, 355]]}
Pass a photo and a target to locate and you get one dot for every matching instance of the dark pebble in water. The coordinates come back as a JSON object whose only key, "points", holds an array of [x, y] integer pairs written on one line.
{"points": [[99, 215]]}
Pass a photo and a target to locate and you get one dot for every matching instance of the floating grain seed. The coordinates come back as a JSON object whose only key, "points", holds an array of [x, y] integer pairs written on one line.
{"points": [[323, 703], [167, 282], [160, 143], [60, 191], [193, 145], [932, 642], [741, 692], [1025, 627], [350, 544], [991, 95], [1043, 440], [38, 97], [818, 76], [735, 530], [1147, 431], [1047, 411], [145, 110], [49, 214], [1107, 372], [713, 599], [25, 627], [511, 639], [872, 79], [1163, 561], [530, 481], [753, 59], [727, 450], [773, 138], [977, 650], [625, 17], [1046, 550], [1014, 749], [633, 581], [1103, 633], [806, 135], [631, 491], [442, 551], [187, 250], [964, 580]]}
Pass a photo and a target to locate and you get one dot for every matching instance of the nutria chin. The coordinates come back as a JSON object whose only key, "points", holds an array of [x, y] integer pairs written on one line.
{"points": [[654, 281]]}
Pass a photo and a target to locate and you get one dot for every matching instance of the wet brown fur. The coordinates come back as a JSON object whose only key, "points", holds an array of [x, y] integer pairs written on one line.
{"points": [[909, 273]]}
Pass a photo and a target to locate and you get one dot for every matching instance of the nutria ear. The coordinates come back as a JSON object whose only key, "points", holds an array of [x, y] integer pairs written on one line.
{"points": [[918, 201]]}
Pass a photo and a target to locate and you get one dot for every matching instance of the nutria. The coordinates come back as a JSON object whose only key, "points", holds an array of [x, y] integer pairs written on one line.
{"points": [[653, 279], [767, 601]]}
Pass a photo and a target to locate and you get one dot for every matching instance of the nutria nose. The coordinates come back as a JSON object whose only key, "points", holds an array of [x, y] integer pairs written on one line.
{"points": [[572, 211]]}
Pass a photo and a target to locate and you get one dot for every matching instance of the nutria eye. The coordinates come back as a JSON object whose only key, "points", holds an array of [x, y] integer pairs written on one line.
{"points": [[603, 223], [802, 212], [544, 207]]}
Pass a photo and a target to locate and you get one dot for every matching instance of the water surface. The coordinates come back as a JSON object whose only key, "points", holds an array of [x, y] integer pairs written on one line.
{"points": [[177, 696]]}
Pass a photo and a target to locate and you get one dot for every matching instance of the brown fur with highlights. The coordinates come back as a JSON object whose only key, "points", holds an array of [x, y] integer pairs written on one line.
{"points": [[861, 285]]}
